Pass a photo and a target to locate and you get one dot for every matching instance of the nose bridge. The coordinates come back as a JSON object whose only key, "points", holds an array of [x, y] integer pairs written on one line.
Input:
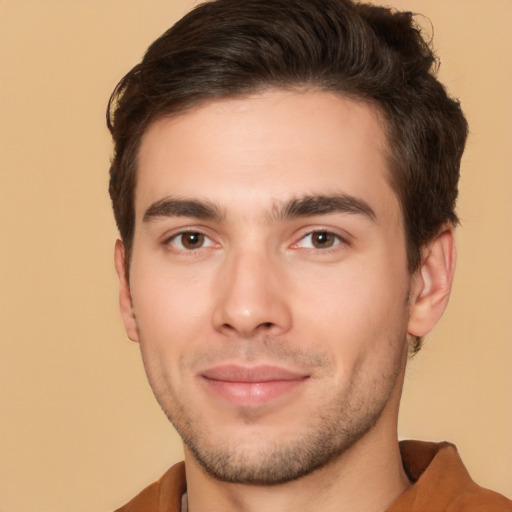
{"points": [[252, 295]]}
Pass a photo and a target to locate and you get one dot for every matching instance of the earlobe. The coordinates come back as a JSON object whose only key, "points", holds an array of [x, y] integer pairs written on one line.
{"points": [[125, 298], [432, 283]]}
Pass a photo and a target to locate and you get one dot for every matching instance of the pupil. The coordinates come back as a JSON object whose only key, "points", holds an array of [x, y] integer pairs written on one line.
{"points": [[192, 239], [322, 239]]}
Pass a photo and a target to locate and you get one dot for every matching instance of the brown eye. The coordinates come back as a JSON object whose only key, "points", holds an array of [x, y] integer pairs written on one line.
{"points": [[192, 240], [189, 241], [320, 240], [323, 239]]}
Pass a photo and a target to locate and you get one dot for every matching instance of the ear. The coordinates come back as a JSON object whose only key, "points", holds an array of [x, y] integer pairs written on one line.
{"points": [[432, 283], [125, 297]]}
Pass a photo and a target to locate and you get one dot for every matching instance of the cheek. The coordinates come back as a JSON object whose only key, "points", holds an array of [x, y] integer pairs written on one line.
{"points": [[172, 320], [171, 307], [354, 308]]}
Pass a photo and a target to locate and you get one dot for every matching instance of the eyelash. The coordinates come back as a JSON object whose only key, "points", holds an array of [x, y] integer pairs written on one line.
{"points": [[333, 237], [178, 238]]}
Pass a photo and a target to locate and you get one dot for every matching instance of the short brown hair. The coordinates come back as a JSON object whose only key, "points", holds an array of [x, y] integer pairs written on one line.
{"points": [[375, 54]]}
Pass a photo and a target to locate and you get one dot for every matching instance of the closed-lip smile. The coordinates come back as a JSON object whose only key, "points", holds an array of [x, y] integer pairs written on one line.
{"points": [[245, 386]]}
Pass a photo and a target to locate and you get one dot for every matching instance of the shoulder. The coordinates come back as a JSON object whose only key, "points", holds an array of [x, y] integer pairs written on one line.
{"points": [[481, 500], [442, 483], [163, 495]]}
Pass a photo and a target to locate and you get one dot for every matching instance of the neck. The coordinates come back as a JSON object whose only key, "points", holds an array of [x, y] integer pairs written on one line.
{"points": [[367, 477]]}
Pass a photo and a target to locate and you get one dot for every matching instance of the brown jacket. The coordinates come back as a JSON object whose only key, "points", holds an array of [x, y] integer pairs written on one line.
{"points": [[442, 484]]}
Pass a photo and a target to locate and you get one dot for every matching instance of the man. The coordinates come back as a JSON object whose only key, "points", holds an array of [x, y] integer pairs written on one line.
{"points": [[284, 182]]}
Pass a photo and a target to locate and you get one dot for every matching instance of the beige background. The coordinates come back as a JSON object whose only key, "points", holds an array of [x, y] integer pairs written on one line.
{"points": [[79, 428]]}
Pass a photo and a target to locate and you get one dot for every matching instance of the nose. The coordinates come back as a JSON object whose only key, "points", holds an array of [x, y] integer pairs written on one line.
{"points": [[251, 297]]}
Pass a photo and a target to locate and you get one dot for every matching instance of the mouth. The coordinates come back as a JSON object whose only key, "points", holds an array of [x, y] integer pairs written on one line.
{"points": [[251, 386]]}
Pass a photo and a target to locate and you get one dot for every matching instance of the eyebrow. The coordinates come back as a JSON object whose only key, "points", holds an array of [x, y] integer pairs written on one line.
{"points": [[321, 205], [306, 206], [173, 207]]}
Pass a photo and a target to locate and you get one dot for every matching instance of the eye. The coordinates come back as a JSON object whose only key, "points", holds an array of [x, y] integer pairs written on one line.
{"points": [[189, 241], [319, 240]]}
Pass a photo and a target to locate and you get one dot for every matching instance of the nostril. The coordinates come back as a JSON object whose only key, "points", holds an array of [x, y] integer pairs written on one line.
{"points": [[267, 325]]}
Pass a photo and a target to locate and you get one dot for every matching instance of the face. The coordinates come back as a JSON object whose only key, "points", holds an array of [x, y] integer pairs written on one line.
{"points": [[269, 281]]}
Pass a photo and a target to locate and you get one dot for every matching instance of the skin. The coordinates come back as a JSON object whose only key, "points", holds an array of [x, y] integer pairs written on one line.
{"points": [[269, 292]]}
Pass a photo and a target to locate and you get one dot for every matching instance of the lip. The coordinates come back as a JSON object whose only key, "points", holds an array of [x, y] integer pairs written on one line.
{"points": [[251, 386]]}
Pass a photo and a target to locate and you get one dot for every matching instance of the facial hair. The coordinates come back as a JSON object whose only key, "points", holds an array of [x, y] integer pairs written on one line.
{"points": [[343, 419]]}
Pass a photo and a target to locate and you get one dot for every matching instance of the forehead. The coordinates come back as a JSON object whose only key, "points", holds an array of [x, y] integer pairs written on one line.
{"points": [[264, 148]]}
